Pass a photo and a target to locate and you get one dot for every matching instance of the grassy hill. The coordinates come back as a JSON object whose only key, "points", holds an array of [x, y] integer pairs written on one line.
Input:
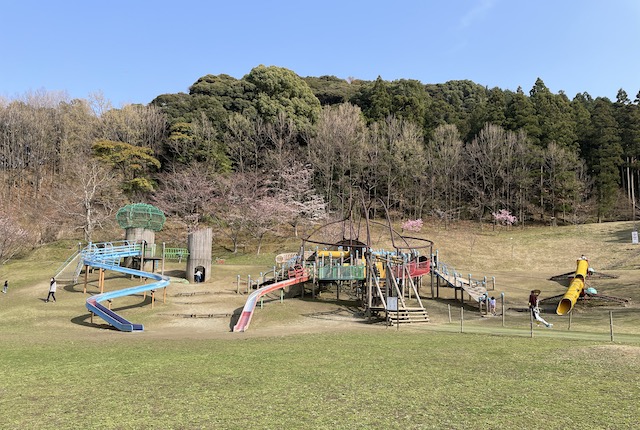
{"points": [[316, 363]]}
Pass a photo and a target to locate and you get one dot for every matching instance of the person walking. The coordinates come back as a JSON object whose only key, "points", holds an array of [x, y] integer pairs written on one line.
{"points": [[6, 287], [492, 305], [535, 310], [53, 286]]}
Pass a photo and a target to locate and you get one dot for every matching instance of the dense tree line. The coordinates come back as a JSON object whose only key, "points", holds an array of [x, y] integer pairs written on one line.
{"points": [[272, 148]]}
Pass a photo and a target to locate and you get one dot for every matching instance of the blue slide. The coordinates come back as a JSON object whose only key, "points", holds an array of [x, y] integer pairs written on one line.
{"points": [[107, 256]]}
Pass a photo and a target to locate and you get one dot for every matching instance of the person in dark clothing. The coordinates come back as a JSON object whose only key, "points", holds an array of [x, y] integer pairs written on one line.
{"points": [[535, 310]]}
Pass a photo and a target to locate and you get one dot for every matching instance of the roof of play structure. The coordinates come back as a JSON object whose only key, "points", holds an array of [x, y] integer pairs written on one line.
{"points": [[141, 215]]}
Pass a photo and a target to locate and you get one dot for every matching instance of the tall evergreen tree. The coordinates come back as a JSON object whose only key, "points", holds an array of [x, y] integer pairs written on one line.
{"points": [[605, 155]]}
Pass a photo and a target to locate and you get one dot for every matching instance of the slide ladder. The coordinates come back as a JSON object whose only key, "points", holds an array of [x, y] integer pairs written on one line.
{"points": [[108, 256]]}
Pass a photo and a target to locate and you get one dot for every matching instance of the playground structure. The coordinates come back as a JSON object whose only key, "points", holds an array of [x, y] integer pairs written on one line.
{"points": [[447, 276], [577, 287], [132, 256], [107, 256], [387, 283]]}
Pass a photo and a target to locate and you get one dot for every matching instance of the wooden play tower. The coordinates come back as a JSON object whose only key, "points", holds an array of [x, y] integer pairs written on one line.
{"points": [[387, 282], [199, 260]]}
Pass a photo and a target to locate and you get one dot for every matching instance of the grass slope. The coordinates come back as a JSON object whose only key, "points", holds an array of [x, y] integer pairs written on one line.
{"points": [[60, 371]]}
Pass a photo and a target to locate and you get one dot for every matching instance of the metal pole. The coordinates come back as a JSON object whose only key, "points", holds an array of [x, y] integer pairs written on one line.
{"points": [[238, 284], [502, 300], [163, 248]]}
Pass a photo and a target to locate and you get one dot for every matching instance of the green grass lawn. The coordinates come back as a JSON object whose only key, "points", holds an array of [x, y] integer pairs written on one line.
{"points": [[384, 379]]}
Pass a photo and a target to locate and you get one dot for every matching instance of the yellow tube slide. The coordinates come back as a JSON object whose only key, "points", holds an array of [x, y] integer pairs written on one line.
{"points": [[575, 288]]}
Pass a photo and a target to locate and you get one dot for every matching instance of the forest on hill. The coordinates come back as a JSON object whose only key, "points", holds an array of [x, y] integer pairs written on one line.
{"points": [[248, 155]]}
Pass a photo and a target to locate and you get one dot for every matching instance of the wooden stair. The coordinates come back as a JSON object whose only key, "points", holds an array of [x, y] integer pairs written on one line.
{"points": [[409, 315]]}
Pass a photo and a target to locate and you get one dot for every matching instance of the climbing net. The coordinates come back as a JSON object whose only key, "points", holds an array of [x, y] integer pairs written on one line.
{"points": [[141, 215]]}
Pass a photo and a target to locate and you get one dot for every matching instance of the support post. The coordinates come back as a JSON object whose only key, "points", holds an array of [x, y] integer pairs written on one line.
{"points": [[611, 324], [86, 278], [163, 249]]}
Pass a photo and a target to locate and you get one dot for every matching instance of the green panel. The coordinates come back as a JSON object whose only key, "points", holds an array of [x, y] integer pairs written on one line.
{"points": [[341, 273]]}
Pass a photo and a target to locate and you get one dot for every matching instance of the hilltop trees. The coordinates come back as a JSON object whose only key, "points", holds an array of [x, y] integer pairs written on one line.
{"points": [[272, 148]]}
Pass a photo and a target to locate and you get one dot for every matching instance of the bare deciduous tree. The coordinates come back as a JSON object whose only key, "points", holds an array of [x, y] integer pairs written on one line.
{"points": [[187, 194], [88, 199], [13, 238]]}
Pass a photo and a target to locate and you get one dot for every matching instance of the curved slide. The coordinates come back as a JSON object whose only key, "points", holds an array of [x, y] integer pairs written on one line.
{"points": [[108, 258], [575, 288], [247, 312]]}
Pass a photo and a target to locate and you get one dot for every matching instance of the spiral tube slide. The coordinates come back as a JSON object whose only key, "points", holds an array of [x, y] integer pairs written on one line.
{"points": [[250, 305], [108, 260], [575, 288]]}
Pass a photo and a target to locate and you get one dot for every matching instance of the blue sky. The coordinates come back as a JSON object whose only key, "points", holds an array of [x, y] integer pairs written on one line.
{"points": [[132, 51]]}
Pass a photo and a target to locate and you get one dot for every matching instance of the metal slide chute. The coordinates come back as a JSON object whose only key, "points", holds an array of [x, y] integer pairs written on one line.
{"points": [[297, 277], [108, 257]]}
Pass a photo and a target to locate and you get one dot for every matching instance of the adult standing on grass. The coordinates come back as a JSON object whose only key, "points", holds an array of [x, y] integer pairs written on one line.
{"points": [[535, 310], [53, 286], [6, 287]]}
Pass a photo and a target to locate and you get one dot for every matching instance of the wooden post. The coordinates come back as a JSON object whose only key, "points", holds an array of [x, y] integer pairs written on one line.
{"points": [[153, 298], [91, 318], [462, 319], [101, 280], [109, 304], [531, 322], [449, 308], [502, 305], [611, 324]]}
